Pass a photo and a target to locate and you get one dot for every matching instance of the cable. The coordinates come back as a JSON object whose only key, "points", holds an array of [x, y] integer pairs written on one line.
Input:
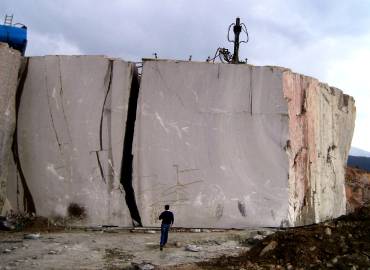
{"points": [[245, 30], [228, 32]]}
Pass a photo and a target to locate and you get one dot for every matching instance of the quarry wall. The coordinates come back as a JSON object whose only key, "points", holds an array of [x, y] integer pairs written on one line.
{"points": [[211, 144], [321, 125], [240, 145], [224, 145], [71, 129], [10, 62]]}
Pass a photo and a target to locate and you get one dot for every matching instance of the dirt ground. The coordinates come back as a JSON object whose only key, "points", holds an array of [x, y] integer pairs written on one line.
{"points": [[357, 188], [117, 248], [343, 243]]}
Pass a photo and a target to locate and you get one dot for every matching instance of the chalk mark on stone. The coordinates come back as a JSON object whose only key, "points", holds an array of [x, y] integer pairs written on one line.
{"points": [[180, 188]]}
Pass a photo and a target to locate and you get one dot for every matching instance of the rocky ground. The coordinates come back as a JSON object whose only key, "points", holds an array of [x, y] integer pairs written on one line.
{"points": [[357, 188], [117, 248], [343, 243]]}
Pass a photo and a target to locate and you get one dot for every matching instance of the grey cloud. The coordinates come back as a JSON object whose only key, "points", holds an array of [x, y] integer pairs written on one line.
{"points": [[176, 29]]}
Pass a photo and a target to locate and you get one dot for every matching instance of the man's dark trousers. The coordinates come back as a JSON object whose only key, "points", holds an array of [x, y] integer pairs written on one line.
{"points": [[164, 233]]}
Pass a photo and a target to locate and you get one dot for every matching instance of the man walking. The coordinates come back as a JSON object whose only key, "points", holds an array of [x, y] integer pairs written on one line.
{"points": [[167, 220]]}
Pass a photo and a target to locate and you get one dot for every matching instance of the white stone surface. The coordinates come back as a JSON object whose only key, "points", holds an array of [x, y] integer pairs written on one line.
{"points": [[10, 61], [225, 145], [70, 135], [206, 147]]}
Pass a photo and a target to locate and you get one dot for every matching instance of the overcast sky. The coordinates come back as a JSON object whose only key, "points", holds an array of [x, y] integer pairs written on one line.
{"points": [[326, 39]]}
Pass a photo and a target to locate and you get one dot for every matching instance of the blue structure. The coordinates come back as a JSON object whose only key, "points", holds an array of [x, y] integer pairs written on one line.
{"points": [[14, 34]]}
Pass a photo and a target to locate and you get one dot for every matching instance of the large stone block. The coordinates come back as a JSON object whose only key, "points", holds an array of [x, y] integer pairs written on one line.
{"points": [[10, 62], [71, 128], [238, 145]]}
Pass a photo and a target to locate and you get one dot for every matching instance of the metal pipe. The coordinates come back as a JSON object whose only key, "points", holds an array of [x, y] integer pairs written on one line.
{"points": [[237, 30]]}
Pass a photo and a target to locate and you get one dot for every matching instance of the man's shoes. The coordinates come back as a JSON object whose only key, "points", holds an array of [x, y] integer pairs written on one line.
{"points": [[161, 248]]}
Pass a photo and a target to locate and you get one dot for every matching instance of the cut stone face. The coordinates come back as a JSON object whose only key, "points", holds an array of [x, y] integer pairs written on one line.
{"points": [[10, 61], [207, 148], [231, 145], [225, 145], [71, 128]]}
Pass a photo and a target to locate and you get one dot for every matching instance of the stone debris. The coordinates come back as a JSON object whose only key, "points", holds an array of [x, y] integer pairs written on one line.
{"points": [[357, 188], [292, 247], [265, 232], [289, 266], [259, 237], [327, 231], [144, 266], [7, 250], [150, 231], [193, 248], [271, 246], [32, 236], [5, 225]]}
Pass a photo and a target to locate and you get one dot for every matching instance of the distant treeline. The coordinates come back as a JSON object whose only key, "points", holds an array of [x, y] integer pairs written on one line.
{"points": [[359, 162]]}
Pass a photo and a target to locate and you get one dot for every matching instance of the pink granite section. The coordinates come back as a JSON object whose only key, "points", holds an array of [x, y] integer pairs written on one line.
{"points": [[321, 124]]}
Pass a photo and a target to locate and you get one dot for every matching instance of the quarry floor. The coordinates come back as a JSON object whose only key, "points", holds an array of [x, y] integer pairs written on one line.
{"points": [[114, 248], [343, 243]]}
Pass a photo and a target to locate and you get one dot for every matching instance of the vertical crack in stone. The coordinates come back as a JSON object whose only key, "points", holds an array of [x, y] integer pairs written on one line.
{"points": [[108, 82], [50, 112], [17, 192], [28, 202], [100, 166], [303, 104], [127, 157], [251, 88], [61, 99], [329, 159]]}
